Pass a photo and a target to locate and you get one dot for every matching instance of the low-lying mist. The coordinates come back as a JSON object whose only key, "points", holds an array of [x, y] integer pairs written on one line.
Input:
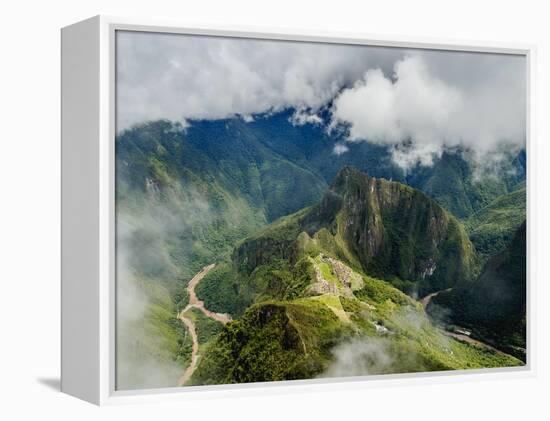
{"points": [[151, 248], [392, 351], [362, 357]]}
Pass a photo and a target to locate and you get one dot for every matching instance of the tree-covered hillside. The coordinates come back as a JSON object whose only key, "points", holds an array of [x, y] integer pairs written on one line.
{"points": [[492, 228], [463, 186], [455, 181], [254, 197], [384, 228], [306, 294], [494, 306], [180, 204]]}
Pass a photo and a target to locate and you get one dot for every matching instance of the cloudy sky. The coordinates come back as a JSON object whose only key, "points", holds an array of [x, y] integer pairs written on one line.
{"points": [[418, 102]]}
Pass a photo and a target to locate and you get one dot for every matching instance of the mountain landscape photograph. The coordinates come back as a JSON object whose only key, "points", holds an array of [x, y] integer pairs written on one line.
{"points": [[295, 210]]}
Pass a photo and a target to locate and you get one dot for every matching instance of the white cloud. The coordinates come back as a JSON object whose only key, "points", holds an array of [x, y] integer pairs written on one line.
{"points": [[419, 115], [340, 149], [301, 117], [371, 356], [418, 102], [196, 77]]}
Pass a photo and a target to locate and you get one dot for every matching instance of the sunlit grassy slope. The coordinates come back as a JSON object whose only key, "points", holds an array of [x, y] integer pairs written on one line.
{"points": [[306, 302], [186, 197], [383, 329]]}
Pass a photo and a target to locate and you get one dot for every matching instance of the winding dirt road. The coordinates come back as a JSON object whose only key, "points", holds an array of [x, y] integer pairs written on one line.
{"points": [[194, 302]]}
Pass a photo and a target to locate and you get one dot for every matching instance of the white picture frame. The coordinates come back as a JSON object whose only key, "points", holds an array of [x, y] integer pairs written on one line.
{"points": [[88, 272]]}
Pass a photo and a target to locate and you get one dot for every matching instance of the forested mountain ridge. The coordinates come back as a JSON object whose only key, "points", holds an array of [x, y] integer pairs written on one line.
{"points": [[493, 227], [277, 147], [455, 181], [187, 195], [385, 228], [181, 203], [494, 306], [304, 288]]}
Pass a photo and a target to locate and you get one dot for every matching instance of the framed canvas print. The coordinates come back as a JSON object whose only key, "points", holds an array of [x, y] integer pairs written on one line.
{"points": [[247, 209]]}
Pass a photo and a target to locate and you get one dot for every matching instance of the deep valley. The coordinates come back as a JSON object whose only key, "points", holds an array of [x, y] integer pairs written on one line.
{"points": [[250, 252]]}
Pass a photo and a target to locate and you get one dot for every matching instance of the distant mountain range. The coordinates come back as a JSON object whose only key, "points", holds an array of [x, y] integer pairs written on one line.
{"points": [[278, 166]]}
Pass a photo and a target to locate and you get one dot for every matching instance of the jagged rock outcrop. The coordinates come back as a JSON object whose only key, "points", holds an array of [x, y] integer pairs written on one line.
{"points": [[388, 229], [397, 230]]}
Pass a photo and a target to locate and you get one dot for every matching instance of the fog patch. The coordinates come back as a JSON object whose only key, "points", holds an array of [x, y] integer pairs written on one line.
{"points": [[441, 316], [149, 253], [370, 356], [340, 149], [179, 77], [389, 351], [419, 115], [301, 117]]}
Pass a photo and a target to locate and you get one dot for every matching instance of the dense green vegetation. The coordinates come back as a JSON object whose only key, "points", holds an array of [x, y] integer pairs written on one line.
{"points": [[184, 200], [398, 231], [273, 341], [254, 198], [306, 294], [462, 187], [266, 178], [494, 306], [226, 289], [204, 190], [383, 228], [207, 328], [454, 181], [387, 331], [492, 228], [153, 347], [220, 290]]}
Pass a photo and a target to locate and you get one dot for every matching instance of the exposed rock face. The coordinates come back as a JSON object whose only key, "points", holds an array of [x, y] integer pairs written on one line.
{"points": [[396, 230], [388, 229]]}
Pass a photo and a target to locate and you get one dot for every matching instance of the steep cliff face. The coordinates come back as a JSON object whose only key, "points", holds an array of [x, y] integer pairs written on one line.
{"points": [[382, 227], [396, 230], [494, 306]]}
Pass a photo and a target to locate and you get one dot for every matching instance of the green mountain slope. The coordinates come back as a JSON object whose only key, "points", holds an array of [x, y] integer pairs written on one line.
{"points": [[340, 314], [268, 179], [493, 227], [384, 228], [177, 209], [396, 230], [186, 197], [252, 154], [304, 297], [462, 187], [453, 181], [494, 306]]}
